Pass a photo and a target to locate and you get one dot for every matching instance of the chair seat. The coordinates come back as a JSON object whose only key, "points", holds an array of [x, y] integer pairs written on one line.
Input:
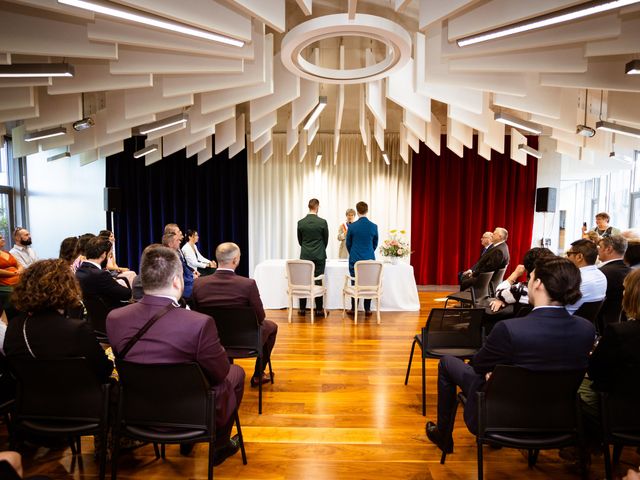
{"points": [[315, 291], [241, 352], [351, 291], [546, 440], [58, 428], [164, 436], [461, 296], [455, 352]]}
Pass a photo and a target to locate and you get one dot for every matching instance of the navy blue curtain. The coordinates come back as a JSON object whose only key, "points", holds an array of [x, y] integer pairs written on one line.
{"points": [[211, 198]]}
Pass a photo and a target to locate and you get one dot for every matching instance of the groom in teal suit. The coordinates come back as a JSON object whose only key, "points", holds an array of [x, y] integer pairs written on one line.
{"points": [[362, 241]]}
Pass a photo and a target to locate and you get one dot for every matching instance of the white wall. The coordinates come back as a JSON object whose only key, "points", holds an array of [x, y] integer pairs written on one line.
{"points": [[546, 225], [64, 200]]}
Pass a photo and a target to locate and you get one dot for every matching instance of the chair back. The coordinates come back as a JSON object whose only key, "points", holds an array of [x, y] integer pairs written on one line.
{"points": [[7, 384], [300, 273], [516, 400], [452, 328], [496, 279], [620, 417], [58, 390], [368, 274], [174, 396], [590, 310], [480, 289], [97, 311], [238, 328]]}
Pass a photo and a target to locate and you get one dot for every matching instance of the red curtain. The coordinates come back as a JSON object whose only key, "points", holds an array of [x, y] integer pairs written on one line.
{"points": [[455, 200]]}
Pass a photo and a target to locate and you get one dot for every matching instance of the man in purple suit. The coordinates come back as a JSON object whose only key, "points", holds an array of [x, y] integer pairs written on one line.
{"points": [[179, 336], [226, 289]]}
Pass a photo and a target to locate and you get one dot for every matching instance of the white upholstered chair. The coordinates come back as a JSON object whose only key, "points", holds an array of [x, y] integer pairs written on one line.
{"points": [[368, 285], [301, 284]]}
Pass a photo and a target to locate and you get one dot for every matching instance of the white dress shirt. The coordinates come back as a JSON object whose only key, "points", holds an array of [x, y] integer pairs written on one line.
{"points": [[593, 287], [24, 255], [193, 256]]}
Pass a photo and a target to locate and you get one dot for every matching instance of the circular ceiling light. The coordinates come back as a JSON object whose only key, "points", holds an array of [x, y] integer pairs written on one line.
{"points": [[393, 36]]}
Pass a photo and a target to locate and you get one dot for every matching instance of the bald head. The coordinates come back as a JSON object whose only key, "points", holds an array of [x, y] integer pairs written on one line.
{"points": [[228, 255]]}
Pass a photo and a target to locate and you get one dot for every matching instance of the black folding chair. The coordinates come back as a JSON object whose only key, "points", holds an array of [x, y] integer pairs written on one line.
{"points": [[528, 410], [453, 331], [589, 311], [166, 403], [97, 311], [7, 395], [239, 333], [474, 294], [620, 418], [496, 279], [61, 397]]}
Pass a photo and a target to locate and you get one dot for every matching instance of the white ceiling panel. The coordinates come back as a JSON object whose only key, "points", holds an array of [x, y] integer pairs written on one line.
{"points": [[239, 144], [306, 102], [434, 130], [195, 147], [16, 98], [272, 12], [401, 89], [263, 124], [225, 134], [286, 88], [540, 100], [207, 153], [433, 10], [135, 60], [116, 119], [97, 78], [143, 101], [55, 110], [518, 155], [603, 73]]}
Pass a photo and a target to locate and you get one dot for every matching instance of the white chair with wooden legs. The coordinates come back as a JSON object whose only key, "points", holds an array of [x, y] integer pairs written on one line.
{"points": [[367, 285], [301, 284]]}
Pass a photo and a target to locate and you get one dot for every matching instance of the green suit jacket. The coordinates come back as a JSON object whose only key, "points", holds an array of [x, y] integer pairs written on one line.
{"points": [[313, 237]]}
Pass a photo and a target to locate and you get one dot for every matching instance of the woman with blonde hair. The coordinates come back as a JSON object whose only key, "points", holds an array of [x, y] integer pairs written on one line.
{"points": [[342, 232]]}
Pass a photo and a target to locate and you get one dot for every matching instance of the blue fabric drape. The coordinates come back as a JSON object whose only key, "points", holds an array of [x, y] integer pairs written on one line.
{"points": [[211, 198]]}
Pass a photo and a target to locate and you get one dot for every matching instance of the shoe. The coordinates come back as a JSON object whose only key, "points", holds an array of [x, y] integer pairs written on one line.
{"points": [[186, 448], [368, 313], [320, 313], [351, 313], [433, 434], [302, 313], [255, 381], [227, 451]]}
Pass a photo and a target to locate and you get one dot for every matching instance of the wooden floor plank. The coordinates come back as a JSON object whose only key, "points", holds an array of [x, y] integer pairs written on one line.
{"points": [[339, 409]]}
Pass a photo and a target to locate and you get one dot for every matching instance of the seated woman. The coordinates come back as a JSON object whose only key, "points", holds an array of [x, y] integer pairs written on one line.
{"points": [[45, 327], [112, 266], [69, 249], [80, 251], [193, 256], [10, 271]]}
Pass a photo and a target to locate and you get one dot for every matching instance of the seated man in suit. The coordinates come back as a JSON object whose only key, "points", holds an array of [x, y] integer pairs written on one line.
{"points": [[486, 242], [96, 281], [611, 252], [593, 284], [496, 257], [172, 237], [179, 336], [549, 338], [226, 289]]}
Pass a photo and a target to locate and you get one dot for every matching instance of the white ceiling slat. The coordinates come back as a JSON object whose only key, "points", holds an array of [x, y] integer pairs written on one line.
{"points": [[156, 156], [116, 119], [401, 5], [433, 135], [352, 5], [518, 155], [479, 122], [404, 146], [272, 12], [433, 10], [626, 43], [484, 150], [110, 149], [453, 143], [195, 147], [55, 110], [103, 30], [261, 141], [263, 73], [539, 100], [559, 60], [306, 6], [401, 89], [5, 58], [414, 123], [306, 102], [144, 101], [623, 107], [199, 121], [25, 82], [57, 142], [88, 156], [262, 125], [374, 96], [134, 60], [207, 153], [18, 114], [175, 141], [339, 109], [54, 37], [239, 144], [267, 152], [568, 137], [206, 14], [292, 136], [97, 78], [17, 98], [499, 13], [567, 149], [461, 132], [313, 130], [607, 74], [103, 137], [83, 141], [54, 6], [368, 148], [567, 120], [378, 134], [362, 116], [302, 146], [413, 141], [19, 146], [225, 134], [286, 88]]}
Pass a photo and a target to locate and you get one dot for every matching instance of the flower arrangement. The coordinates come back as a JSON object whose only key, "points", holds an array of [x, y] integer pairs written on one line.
{"points": [[396, 245]]}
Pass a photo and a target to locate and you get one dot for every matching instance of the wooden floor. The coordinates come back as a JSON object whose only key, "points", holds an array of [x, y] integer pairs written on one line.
{"points": [[338, 410]]}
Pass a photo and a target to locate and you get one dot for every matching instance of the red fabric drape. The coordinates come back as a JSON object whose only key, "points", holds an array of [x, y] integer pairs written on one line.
{"points": [[455, 200]]}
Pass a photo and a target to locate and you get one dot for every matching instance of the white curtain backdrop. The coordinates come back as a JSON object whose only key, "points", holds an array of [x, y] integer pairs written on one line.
{"points": [[280, 189]]}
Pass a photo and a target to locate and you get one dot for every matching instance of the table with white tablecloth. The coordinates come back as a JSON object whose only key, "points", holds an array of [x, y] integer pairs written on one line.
{"points": [[399, 291]]}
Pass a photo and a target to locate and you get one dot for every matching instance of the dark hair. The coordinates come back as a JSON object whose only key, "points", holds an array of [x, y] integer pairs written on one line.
{"points": [[96, 247], [631, 296], [534, 254], [617, 242], [560, 278], [69, 249], [82, 243], [604, 216], [158, 266], [362, 208], [632, 254], [105, 233], [313, 203], [191, 233], [587, 248], [46, 285]]}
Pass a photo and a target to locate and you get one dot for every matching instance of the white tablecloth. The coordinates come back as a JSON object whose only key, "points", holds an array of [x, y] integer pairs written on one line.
{"points": [[399, 291]]}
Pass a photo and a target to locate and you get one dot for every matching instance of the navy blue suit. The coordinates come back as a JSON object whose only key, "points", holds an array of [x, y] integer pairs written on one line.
{"points": [[547, 339], [361, 241]]}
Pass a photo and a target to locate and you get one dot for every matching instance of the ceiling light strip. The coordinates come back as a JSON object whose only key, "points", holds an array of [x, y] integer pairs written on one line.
{"points": [[31, 70], [633, 67], [530, 150], [517, 122], [42, 134], [322, 103], [160, 124], [109, 9], [385, 157], [553, 18], [145, 151], [318, 159], [616, 128], [60, 156]]}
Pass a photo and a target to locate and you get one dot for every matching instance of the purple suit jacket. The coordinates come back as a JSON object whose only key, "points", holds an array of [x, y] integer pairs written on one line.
{"points": [[225, 288], [179, 336]]}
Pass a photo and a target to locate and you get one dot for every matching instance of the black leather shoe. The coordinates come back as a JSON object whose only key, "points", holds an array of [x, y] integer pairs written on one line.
{"points": [[302, 313], [368, 313], [320, 313], [186, 448], [227, 451], [433, 434], [350, 313]]}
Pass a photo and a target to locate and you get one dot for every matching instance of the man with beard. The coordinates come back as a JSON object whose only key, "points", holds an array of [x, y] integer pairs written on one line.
{"points": [[22, 247], [95, 280]]}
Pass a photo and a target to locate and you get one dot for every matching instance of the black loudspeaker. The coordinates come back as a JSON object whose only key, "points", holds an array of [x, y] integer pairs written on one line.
{"points": [[112, 199], [546, 199]]}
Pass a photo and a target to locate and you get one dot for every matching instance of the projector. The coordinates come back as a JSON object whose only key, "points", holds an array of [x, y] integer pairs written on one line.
{"points": [[585, 131], [83, 124]]}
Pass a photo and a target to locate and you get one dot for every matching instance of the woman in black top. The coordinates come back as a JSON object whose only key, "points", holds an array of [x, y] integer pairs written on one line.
{"points": [[44, 329]]}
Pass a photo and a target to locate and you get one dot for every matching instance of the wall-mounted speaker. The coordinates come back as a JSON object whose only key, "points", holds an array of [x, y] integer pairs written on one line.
{"points": [[546, 199], [112, 199]]}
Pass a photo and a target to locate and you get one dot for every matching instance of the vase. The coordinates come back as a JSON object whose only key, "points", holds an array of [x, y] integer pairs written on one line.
{"points": [[393, 260]]}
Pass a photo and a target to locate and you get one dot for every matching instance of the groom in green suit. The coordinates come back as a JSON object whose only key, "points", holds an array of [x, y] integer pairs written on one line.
{"points": [[313, 237]]}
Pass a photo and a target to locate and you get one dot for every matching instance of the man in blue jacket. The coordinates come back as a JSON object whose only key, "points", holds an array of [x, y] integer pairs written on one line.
{"points": [[362, 241]]}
